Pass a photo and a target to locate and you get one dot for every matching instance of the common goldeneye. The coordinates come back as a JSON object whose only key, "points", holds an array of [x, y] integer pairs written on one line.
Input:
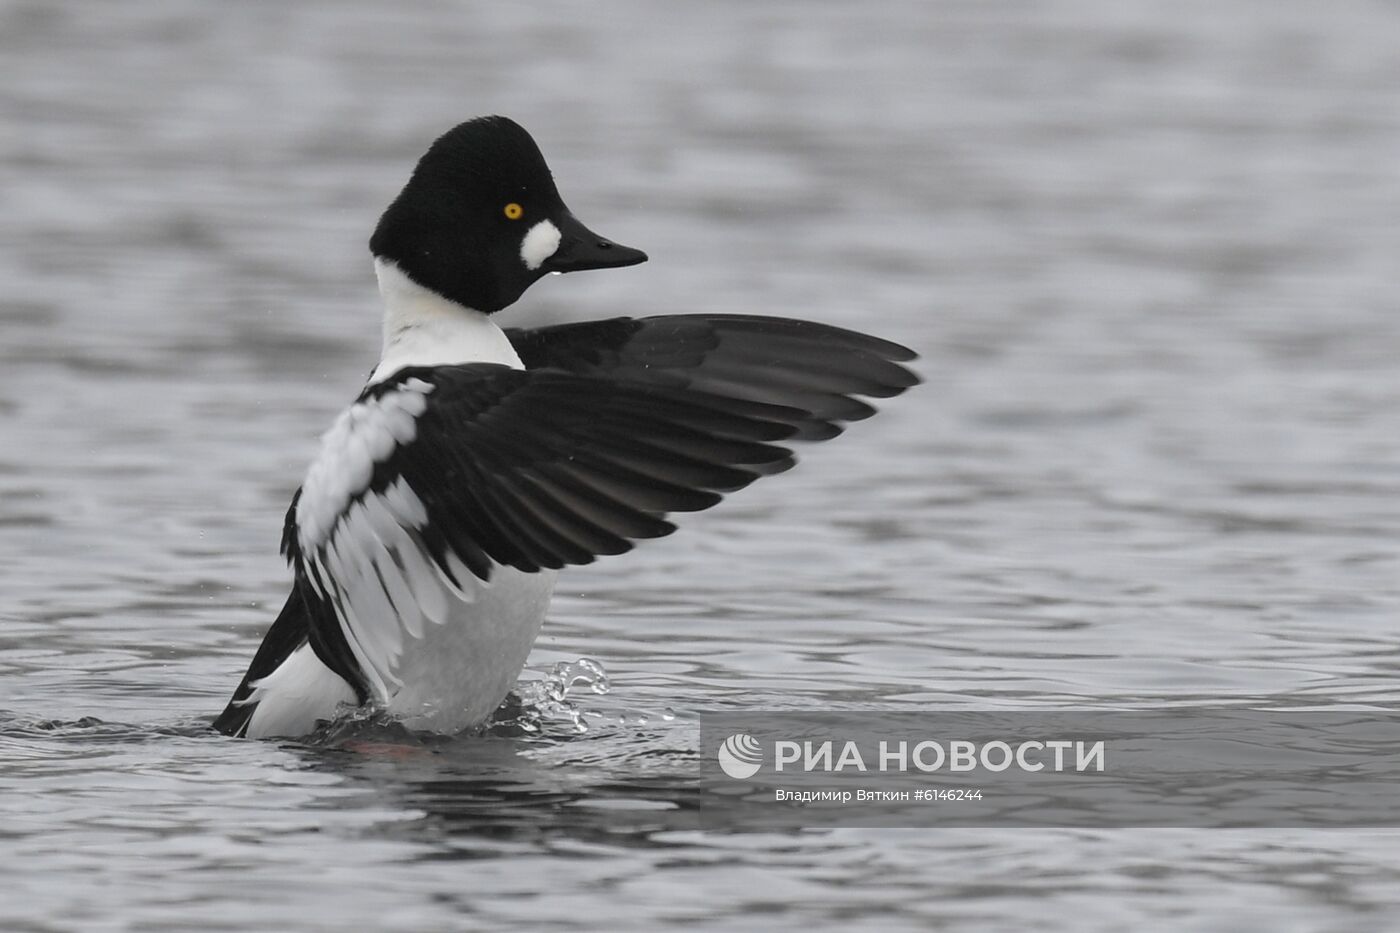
{"points": [[477, 462]]}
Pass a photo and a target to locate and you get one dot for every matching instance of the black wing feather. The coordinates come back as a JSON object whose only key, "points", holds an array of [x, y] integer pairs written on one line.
{"points": [[815, 369], [613, 424], [545, 469]]}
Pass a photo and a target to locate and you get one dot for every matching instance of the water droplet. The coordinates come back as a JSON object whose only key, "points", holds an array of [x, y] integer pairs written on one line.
{"points": [[548, 700]]}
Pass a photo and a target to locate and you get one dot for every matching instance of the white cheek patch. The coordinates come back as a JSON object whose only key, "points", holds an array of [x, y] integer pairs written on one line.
{"points": [[539, 244]]}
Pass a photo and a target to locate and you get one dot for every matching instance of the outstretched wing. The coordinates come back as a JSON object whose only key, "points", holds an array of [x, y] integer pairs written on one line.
{"points": [[438, 477], [435, 479], [813, 368]]}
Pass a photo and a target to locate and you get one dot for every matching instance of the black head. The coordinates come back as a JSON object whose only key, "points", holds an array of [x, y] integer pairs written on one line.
{"points": [[481, 220]]}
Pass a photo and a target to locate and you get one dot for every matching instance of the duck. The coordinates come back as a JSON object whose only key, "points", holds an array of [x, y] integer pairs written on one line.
{"points": [[478, 462]]}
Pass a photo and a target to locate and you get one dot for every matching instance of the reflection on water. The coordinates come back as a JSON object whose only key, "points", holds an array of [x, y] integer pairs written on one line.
{"points": [[1145, 252]]}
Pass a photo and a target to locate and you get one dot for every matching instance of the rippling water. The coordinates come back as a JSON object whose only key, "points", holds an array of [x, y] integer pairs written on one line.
{"points": [[1147, 252]]}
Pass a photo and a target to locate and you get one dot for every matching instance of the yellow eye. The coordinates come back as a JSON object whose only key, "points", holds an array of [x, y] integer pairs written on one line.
{"points": [[514, 211]]}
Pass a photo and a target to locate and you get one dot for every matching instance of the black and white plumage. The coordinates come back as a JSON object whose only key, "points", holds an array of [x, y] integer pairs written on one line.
{"points": [[478, 462]]}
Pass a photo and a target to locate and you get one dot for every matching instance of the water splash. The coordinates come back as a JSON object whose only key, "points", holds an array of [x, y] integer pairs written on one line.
{"points": [[529, 710], [535, 705]]}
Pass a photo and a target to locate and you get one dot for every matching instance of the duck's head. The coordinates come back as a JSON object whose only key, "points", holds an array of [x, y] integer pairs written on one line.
{"points": [[480, 220]]}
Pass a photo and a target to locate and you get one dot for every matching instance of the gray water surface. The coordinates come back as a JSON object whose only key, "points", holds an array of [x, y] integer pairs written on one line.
{"points": [[1146, 251]]}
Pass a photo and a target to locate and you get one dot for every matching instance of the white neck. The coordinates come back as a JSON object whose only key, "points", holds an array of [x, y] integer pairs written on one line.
{"points": [[422, 328]]}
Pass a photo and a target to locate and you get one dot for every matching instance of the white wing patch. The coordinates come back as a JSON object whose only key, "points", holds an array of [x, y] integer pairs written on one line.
{"points": [[435, 653], [382, 582], [362, 549], [365, 434]]}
